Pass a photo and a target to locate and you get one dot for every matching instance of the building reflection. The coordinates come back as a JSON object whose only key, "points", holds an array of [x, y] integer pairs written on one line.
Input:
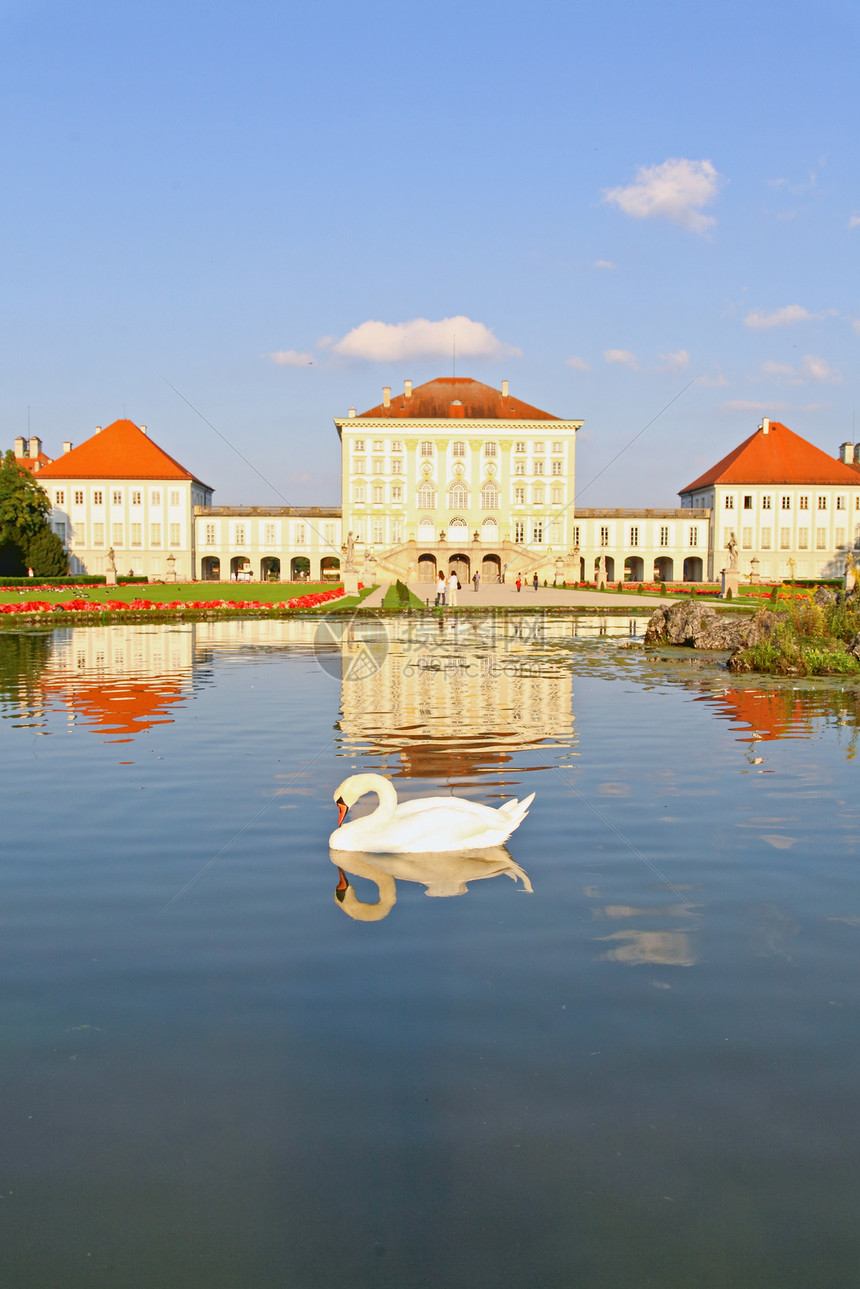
{"points": [[765, 715]]}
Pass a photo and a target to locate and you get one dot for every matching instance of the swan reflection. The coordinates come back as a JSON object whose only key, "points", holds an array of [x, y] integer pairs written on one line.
{"points": [[443, 873]]}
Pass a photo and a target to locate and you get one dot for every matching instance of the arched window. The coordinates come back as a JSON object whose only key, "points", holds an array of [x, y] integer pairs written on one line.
{"points": [[458, 497], [426, 497], [490, 496]]}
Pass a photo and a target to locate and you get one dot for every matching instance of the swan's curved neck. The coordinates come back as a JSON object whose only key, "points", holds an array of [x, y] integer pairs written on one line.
{"points": [[384, 789], [355, 908]]}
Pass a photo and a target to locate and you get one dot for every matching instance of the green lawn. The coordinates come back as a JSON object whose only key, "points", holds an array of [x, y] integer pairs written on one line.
{"points": [[265, 592]]}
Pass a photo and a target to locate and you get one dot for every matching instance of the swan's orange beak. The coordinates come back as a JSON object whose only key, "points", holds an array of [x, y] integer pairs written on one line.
{"points": [[342, 808], [342, 887]]}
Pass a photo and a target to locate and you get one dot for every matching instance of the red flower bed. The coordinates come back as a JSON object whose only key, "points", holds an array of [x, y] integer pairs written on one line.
{"points": [[96, 606]]}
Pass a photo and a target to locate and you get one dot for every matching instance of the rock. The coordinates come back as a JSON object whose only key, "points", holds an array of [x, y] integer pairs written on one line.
{"points": [[700, 627], [854, 647], [825, 595]]}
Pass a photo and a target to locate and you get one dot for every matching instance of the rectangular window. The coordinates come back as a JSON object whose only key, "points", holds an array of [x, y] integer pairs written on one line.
{"points": [[747, 502], [555, 531], [300, 534], [519, 496], [136, 498], [378, 492], [60, 497], [359, 465], [377, 445], [98, 534], [519, 447], [155, 534], [664, 535], [803, 539], [556, 496], [519, 531], [239, 535], [537, 496], [396, 492], [80, 534], [458, 449], [729, 502], [79, 498], [270, 535], [538, 447], [116, 497], [358, 494], [377, 531], [821, 539], [175, 530], [98, 497], [765, 503], [765, 539], [328, 534], [116, 534], [60, 531], [576, 534], [379, 465], [557, 467], [210, 535], [358, 445], [841, 503], [785, 503], [803, 503], [537, 530], [746, 539], [519, 467], [785, 539], [397, 531], [397, 465], [137, 534], [491, 449], [537, 467], [840, 536], [557, 447], [634, 535], [426, 449], [694, 536], [822, 503], [174, 499], [396, 445], [604, 537]]}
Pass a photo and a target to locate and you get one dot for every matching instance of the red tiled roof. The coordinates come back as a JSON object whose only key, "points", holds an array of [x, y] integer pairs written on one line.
{"points": [[119, 451], [459, 398], [776, 456], [30, 463]]}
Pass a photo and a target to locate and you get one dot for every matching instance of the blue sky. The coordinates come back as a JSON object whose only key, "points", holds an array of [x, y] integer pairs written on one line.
{"points": [[612, 200]]}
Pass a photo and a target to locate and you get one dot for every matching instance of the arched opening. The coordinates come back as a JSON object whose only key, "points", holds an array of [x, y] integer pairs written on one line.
{"points": [[460, 565], [458, 496], [240, 569], [693, 568], [664, 569], [426, 568], [300, 568], [491, 569], [458, 531], [330, 568], [270, 569], [490, 532], [605, 574], [426, 531], [634, 569], [210, 568]]}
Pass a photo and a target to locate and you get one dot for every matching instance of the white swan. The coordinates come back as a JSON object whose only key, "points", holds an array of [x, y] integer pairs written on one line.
{"points": [[443, 874], [427, 824]]}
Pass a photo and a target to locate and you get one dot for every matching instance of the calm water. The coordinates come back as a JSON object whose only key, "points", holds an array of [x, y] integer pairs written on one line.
{"points": [[643, 1073]]}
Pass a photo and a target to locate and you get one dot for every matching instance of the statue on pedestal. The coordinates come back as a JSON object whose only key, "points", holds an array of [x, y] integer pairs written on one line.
{"points": [[732, 548], [350, 552]]}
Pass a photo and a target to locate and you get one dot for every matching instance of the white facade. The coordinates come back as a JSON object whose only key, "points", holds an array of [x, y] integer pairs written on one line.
{"points": [[282, 543]]}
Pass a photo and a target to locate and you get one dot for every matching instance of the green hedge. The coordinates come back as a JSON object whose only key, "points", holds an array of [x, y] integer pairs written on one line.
{"points": [[58, 581]]}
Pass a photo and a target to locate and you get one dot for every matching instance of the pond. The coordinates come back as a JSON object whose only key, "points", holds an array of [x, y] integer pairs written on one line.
{"points": [[621, 1050]]}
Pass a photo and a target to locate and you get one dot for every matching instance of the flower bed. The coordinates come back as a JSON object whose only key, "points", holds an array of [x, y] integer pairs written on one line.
{"points": [[137, 606]]}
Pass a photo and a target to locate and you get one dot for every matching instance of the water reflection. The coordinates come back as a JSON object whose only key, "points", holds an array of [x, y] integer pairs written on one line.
{"points": [[442, 873], [670, 946]]}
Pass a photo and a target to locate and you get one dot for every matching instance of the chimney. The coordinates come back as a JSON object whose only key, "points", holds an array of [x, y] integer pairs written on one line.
{"points": [[846, 452], [504, 389], [857, 454], [765, 426], [351, 413], [19, 446], [407, 387], [67, 447], [35, 447], [143, 429], [386, 395], [98, 429]]}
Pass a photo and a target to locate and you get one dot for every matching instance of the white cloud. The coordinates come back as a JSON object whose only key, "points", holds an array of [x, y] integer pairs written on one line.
{"points": [[289, 358], [854, 221], [676, 190], [784, 317], [679, 361], [777, 369], [621, 356], [714, 379], [421, 338], [326, 342], [578, 364], [604, 264], [818, 369]]}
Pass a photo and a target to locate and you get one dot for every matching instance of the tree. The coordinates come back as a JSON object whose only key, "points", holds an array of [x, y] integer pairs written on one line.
{"points": [[46, 555], [24, 509]]}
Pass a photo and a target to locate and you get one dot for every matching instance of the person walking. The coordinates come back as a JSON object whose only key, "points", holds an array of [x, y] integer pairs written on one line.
{"points": [[453, 587], [519, 582], [535, 582], [476, 579], [440, 588]]}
